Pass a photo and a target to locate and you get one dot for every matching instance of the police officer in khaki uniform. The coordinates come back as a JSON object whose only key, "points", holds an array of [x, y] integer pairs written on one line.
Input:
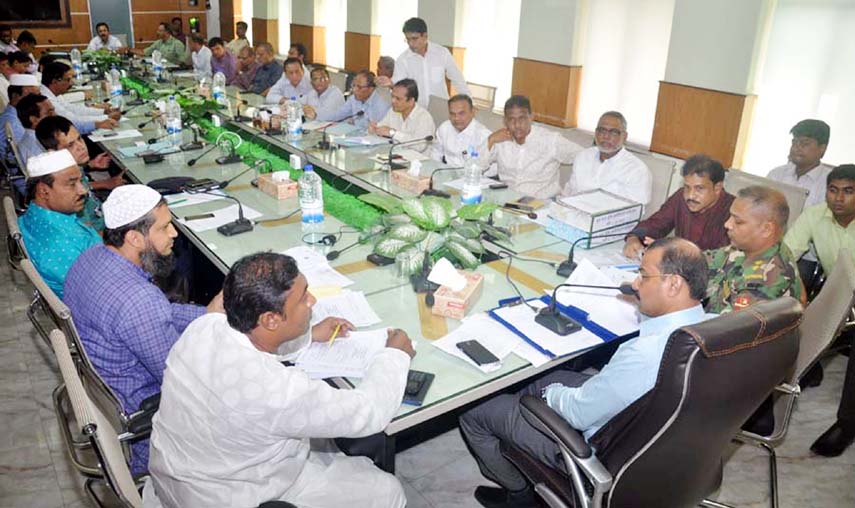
{"points": [[757, 265]]}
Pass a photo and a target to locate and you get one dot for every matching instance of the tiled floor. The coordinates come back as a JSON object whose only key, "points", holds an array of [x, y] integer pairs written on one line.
{"points": [[35, 472]]}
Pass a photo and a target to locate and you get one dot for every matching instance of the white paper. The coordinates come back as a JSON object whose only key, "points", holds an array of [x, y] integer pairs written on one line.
{"points": [[221, 216], [369, 140], [522, 318], [187, 199], [490, 333], [457, 183], [348, 356], [314, 266], [596, 201], [112, 135], [444, 274], [415, 168], [163, 148], [349, 305], [602, 305]]}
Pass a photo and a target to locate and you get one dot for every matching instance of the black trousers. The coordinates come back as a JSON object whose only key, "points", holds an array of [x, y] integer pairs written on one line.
{"points": [[846, 410]]}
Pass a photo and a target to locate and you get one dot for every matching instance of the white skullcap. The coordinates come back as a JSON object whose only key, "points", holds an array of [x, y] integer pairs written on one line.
{"points": [[128, 203], [50, 162], [23, 80]]}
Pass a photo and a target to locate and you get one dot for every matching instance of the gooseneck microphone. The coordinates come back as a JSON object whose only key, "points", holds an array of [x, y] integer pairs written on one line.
{"points": [[430, 191], [192, 162], [553, 320], [566, 267], [212, 185], [239, 225], [143, 124], [238, 117], [195, 144], [392, 165], [324, 143]]}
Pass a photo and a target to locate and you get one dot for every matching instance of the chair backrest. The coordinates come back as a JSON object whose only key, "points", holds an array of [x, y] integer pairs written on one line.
{"points": [[385, 94], [123, 38], [666, 449], [339, 79], [483, 96], [438, 109], [13, 144], [14, 242], [492, 121], [661, 170], [101, 432], [736, 179]]}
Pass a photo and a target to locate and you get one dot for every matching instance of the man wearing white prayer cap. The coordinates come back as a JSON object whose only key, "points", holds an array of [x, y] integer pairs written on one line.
{"points": [[51, 229], [126, 323]]}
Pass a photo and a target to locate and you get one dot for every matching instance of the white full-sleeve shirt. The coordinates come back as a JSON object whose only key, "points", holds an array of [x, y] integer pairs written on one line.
{"points": [[814, 181], [234, 424], [450, 143], [202, 62], [533, 167], [429, 72], [284, 89], [327, 103], [623, 174], [418, 124], [113, 43]]}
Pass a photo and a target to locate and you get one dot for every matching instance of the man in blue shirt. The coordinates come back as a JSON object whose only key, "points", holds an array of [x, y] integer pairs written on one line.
{"points": [[671, 283], [32, 109], [20, 85], [364, 98], [126, 323], [52, 232], [268, 72]]}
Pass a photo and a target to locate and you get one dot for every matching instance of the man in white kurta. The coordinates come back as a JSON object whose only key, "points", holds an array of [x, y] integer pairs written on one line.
{"points": [[104, 40], [406, 121], [609, 166], [200, 56], [238, 428], [459, 133], [528, 157], [426, 63], [324, 99]]}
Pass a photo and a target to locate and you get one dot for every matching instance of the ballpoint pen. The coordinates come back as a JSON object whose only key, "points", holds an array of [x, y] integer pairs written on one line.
{"points": [[334, 335]]}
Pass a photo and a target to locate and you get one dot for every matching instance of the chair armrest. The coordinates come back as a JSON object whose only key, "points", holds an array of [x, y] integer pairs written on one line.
{"points": [[789, 389], [139, 425], [151, 403], [542, 417]]}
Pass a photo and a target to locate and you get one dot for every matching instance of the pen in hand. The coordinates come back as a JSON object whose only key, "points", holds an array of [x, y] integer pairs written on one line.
{"points": [[334, 335]]}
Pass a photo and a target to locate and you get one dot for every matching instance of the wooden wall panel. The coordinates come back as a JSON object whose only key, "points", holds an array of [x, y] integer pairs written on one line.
{"points": [[62, 39], [227, 21], [146, 14], [552, 88], [314, 38], [361, 51], [266, 30], [692, 120]]}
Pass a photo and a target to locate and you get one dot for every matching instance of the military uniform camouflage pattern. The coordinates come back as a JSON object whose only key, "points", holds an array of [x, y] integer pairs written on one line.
{"points": [[732, 287]]}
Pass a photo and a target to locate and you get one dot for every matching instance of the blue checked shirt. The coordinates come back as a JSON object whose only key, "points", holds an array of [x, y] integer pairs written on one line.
{"points": [[127, 327], [375, 109], [54, 240], [10, 115], [265, 77]]}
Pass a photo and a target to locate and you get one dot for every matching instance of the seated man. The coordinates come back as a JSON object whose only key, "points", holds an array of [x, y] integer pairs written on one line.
{"points": [[324, 99], [246, 68], [171, 49], [291, 84], [406, 121], [222, 60], [268, 72], [528, 156], [32, 109], [7, 45], [200, 56], [365, 99], [125, 322], [27, 43], [455, 136], [52, 232], [56, 80], [226, 395], [829, 227], [298, 50], [697, 212], [6, 73], [386, 67], [671, 283], [240, 41], [757, 265], [103, 39], [609, 166], [20, 86]]}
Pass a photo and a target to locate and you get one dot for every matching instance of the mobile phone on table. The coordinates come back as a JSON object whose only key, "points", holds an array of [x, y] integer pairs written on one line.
{"points": [[199, 217], [477, 353]]}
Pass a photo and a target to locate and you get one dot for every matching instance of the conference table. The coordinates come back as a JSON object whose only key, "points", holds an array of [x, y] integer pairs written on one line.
{"points": [[392, 297]]}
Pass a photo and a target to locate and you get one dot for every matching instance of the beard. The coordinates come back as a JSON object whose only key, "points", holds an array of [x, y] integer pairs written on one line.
{"points": [[156, 264]]}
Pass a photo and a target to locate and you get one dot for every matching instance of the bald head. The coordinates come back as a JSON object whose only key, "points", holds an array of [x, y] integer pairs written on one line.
{"points": [[758, 219], [673, 276]]}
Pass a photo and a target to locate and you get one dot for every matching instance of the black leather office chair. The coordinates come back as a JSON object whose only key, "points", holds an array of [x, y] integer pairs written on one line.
{"points": [[665, 450], [276, 504]]}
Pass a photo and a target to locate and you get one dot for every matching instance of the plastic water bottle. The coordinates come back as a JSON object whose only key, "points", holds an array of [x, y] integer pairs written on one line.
{"points": [[311, 196], [294, 119], [471, 179], [157, 64], [219, 90], [116, 99], [173, 121], [77, 65]]}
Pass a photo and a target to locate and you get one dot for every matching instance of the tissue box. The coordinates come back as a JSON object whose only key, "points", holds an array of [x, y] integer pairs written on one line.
{"points": [[454, 304], [593, 213], [279, 190], [414, 184]]}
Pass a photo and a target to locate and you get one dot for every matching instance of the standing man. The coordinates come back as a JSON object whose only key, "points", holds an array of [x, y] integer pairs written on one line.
{"points": [[609, 165], [222, 60], [757, 265], [171, 49], [225, 385], [268, 73], [103, 39], [240, 41], [697, 212], [455, 136], [426, 63], [247, 66], [200, 56], [324, 99], [407, 120], [290, 84], [528, 156], [364, 99]]}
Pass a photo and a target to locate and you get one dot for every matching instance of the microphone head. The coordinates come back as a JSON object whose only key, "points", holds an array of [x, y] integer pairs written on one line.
{"points": [[360, 113], [332, 255], [627, 289], [152, 141], [429, 138], [141, 125], [191, 162]]}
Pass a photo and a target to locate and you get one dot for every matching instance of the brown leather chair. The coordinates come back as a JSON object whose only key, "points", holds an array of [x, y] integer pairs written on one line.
{"points": [[665, 450]]}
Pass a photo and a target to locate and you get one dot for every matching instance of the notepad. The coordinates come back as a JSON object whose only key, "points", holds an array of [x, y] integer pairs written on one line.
{"points": [[347, 357], [490, 333], [349, 305], [314, 266]]}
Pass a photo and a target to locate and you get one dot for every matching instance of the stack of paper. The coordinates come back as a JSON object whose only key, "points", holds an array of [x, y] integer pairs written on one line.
{"points": [[490, 333], [522, 317], [346, 357], [315, 267], [458, 183], [602, 305], [349, 305], [187, 199], [107, 135], [221, 217]]}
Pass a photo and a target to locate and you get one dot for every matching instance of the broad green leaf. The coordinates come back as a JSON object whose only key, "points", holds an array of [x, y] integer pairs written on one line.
{"points": [[497, 233], [466, 258], [399, 218], [467, 229], [415, 209], [477, 211], [438, 212], [432, 242], [390, 247], [410, 233], [471, 244], [413, 260], [372, 233], [385, 202]]}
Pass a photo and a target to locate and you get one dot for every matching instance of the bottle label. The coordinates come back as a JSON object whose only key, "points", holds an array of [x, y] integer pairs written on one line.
{"points": [[313, 212], [470, 198]]}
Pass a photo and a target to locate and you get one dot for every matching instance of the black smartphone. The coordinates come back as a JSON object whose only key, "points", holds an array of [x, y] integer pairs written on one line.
{"points": [[498, 186], [201, 184], [199, 217], [476, 352]]}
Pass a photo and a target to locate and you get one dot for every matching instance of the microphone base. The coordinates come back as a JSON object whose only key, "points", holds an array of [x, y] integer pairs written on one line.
{"points": [[274, 132], [324, 145], [437, 193], [566, 268], [135, 102], [187, 147], [395, 165], [556, 322], [228, 159], [241, 118], [379, 260], [421, 284], [235, 228]]}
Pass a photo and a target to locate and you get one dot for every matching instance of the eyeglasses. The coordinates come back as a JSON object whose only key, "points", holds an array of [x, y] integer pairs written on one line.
{"points": [[650, 276], [320, 78], [361, 87], [611, 132]]}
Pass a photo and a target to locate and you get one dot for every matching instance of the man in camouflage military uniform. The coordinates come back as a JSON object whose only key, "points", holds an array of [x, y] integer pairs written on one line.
{"points": [[757, 265]]}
